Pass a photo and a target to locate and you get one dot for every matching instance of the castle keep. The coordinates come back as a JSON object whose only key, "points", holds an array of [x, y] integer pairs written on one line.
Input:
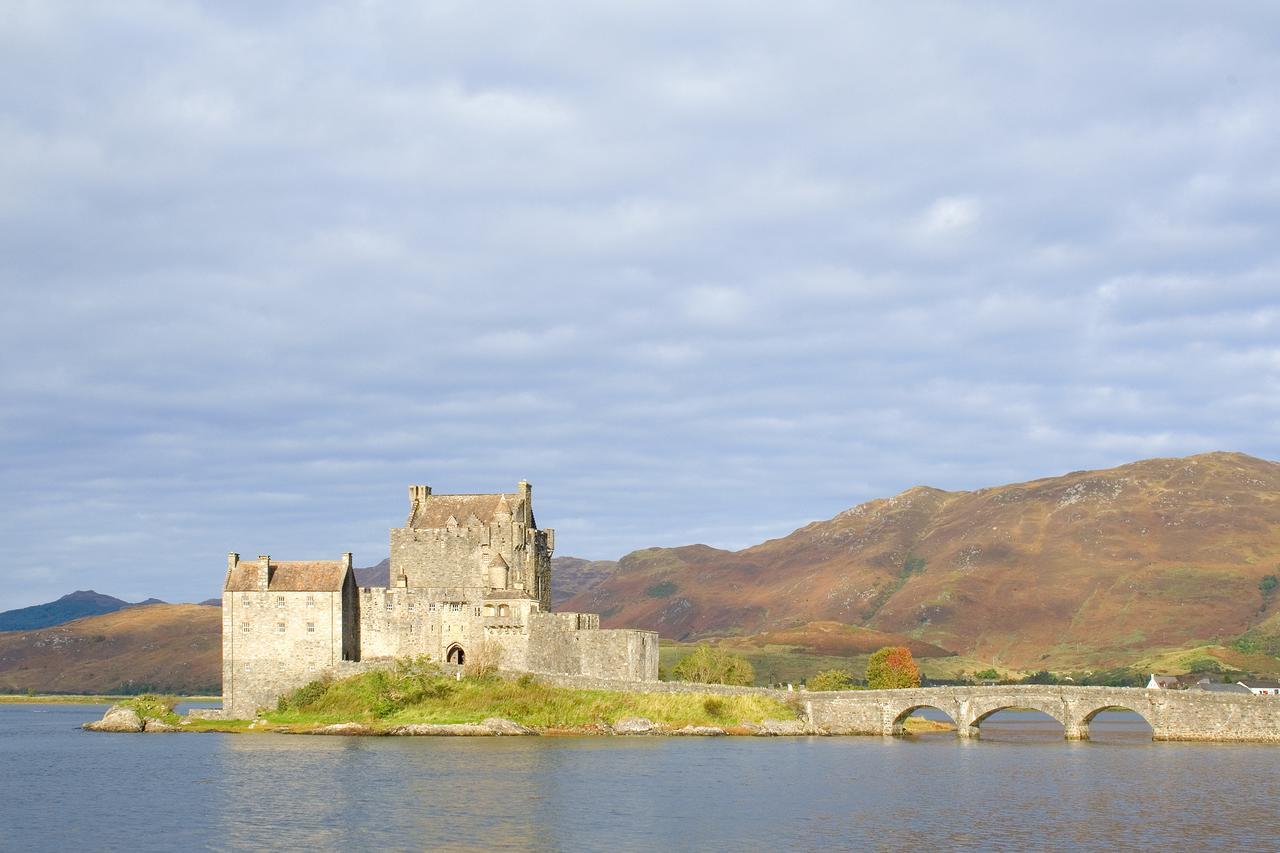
{"points": [[470, 581]]}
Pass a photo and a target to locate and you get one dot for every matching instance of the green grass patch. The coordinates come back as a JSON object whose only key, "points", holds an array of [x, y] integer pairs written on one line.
{"points": [[417, 692]]}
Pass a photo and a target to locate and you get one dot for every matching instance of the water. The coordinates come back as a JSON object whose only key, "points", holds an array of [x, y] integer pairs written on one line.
{"points": [[1019, 788]]}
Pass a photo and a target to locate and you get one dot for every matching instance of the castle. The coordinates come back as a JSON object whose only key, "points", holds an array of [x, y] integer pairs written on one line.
{"points": [[470, 581]]}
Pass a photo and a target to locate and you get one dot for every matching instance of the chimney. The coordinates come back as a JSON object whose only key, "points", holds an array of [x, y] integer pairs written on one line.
{"points": [[346, 560], [417, 496], [264, 571], [526, 495], [232, 559]]}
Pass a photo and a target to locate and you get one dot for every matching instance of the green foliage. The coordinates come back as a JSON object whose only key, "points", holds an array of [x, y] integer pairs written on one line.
{"points": [[1044, 676], [417, 693], [1117, 677], [711, 665], [153, 706], [665, 589], [987, 675], [913, 565], [892, 667], [832, 679], [1268, 584], [1257, 643]]}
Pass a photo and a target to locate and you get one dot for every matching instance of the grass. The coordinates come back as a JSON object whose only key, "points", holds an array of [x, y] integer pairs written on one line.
{"points": [[416, 692]]}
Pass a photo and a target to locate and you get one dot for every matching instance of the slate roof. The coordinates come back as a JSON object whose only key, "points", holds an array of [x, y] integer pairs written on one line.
{"points": [[289, 576], [437, 509]]}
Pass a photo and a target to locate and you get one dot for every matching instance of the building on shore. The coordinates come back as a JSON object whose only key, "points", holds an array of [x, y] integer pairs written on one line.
{"points": [[470, 582]]}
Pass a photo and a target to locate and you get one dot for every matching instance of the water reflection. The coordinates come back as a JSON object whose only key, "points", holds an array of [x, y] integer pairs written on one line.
{"points": [[61, 788]]}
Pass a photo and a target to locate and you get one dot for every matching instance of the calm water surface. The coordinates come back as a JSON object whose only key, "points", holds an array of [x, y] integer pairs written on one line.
{"points": [[1019, 788]]}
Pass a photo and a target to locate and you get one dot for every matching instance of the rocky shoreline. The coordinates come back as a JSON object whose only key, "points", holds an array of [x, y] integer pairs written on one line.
{"points": [[122, 718]]}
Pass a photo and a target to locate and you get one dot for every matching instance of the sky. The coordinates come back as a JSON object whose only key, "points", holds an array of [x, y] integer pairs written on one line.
{"points": [[699, 272]]}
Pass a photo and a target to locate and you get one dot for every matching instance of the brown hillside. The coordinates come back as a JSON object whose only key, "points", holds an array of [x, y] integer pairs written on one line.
{"points": [[169, 648], [1090, 567]]}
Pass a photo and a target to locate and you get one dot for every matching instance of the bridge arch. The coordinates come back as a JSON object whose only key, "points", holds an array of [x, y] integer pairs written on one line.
{"points": [[1052, 710], [900, 721], [1133, 707]]}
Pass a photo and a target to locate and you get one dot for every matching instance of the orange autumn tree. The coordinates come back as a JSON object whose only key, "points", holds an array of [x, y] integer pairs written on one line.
{"points": [[892, 667]]}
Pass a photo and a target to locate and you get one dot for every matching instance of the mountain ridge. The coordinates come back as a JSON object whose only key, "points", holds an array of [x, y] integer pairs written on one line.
{"points": [[1081, 568]]}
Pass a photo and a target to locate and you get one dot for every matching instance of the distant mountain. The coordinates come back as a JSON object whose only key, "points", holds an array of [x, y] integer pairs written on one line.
{"points": [[571, 576], [74, 605], [211, 602], [379, 575], [1093, 568], [167, 648]]}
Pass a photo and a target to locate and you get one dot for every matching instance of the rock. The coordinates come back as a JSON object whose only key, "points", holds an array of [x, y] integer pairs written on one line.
{"points": [[700, 731], [118, 718], [783, 727], [499, 726], [443, 730], [151, 724], [633, 726], [344, 729]]}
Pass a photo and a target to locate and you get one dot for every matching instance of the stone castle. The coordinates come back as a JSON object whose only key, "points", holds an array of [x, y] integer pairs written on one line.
{"points": [[470, 582]]}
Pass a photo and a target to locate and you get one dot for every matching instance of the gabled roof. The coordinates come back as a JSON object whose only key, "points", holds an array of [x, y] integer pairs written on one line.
{"points": [[499, 560], [435, 511], [289, 576], [1260, 685]]}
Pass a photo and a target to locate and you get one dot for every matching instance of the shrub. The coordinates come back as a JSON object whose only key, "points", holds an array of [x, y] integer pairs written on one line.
{"points": [[987, 675], [710, 665], [713, 706], [913, 566], [831, 679], [305, 695], [1268, 584], [892, 667], [1044, 676]]}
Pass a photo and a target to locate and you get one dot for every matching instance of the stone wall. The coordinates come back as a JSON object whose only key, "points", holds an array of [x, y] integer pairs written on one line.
{"points": [[273, 642], [574, 644]]}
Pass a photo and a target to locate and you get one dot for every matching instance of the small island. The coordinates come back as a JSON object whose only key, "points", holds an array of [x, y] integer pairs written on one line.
{"points": [[418, 697]]}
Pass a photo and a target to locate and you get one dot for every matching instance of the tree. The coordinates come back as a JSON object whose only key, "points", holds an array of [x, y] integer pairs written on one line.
{"points": [[710, 665], [831, 679], [987, 675], [892, 667]]}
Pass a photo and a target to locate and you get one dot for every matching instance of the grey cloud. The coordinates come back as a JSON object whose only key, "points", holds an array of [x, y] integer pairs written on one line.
{"points": [[699, 273]]}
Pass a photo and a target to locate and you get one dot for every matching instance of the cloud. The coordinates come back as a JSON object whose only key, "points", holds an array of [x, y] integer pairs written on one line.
{"points": [[695, 272]]}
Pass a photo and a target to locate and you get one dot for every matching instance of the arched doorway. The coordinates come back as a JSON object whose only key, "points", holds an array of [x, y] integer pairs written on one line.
{"points": [[456, 655], [924, 720]]}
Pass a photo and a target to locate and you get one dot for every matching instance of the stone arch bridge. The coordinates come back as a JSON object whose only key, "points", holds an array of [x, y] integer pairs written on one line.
{"points": [[1172, 714]]}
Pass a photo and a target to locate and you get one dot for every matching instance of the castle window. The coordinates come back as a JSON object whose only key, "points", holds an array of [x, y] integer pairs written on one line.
{"points": [[279, 601], [391, 602], [279, 627], [311, 601], [246, 600], [244, 626], [477, 611], [248, 666], [455, 607], [311, 627], [432, 607], [409, 600]]}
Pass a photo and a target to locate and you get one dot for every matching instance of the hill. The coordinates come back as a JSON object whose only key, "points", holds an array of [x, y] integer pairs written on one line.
{"points": [[171, 648], [1088, 569], [74, 605]]}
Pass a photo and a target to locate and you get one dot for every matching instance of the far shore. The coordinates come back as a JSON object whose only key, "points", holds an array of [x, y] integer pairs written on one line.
{"points": [[83, 698]]}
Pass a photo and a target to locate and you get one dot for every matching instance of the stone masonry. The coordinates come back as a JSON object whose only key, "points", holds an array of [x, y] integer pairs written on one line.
{"points": [[470, 583]]}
